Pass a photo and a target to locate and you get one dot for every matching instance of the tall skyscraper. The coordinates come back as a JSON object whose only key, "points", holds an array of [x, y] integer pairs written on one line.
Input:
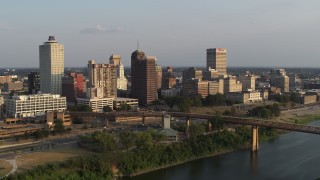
{"points": [[51, 57], [217, 59], [121, 79], [143, 77], [102, 80]]}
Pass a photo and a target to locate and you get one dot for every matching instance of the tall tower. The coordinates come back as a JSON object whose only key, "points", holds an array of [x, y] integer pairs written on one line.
{"points": [[143, 77], [217, 59], [51, 57]]}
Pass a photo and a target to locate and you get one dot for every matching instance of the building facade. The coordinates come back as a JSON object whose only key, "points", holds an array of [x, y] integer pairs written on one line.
{"points": [[278, 78], [96, 104], [232, 85], [143, 77], [248, 82], [33, 83], [16, 86], [168, 79], [51, 56], [34, 105], [122, 82], [244, 97], [217, 59], [190, 76], [72, 86], [103, 77], [159, 76]]}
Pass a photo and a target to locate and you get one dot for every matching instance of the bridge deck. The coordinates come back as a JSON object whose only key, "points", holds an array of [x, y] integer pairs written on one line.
{"points": [[228, 119]]}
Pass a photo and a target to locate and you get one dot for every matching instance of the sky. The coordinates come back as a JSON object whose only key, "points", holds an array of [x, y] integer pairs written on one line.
{"points": [[256, 33]]}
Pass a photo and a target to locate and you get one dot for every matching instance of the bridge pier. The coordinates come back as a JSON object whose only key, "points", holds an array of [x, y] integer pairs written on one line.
{"points": [[143, 119], [255, 138], [106, 121], [209, 126], [188, 124]]}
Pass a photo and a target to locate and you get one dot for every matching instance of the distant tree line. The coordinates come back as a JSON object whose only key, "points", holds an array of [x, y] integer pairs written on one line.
{"points": [[184, 103], [267, 111]]}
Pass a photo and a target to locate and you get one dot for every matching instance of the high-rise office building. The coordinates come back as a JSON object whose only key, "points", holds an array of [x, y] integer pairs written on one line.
{"points": [[51, 57], [33, 82], [122, 81], [217, 59], [102, 80], [143, 77]]}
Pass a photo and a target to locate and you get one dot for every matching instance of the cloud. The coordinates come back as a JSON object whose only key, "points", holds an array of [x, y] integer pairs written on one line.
{"points": [[100, 29]]}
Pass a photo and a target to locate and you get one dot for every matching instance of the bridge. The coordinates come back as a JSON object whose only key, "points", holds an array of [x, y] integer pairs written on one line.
{"points": [[255, 123]]}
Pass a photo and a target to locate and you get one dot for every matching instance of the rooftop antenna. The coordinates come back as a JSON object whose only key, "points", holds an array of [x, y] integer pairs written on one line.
{"points": [[137, 44]]}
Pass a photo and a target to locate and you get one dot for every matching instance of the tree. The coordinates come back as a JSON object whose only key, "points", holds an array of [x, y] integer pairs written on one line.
{"points": [[107, 109], [215, 100], [127, 139], [124, 107], [58, 126], [77, 120], [276, 111], [217, 122], [196, 100], [184, 104], [144, 140], [196, 130]]}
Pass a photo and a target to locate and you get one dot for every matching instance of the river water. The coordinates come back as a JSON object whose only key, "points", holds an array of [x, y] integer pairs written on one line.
{"points": [[290, 156]]}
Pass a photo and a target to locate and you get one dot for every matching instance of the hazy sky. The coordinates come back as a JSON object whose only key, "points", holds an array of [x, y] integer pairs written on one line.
{"points": [[277, 33]]}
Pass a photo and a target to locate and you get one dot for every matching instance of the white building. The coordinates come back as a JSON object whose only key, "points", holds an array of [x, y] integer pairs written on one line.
{"points": [[34, 105], [244, 97], [96, 104], [51, 57], [117, 102], [122, 81]]}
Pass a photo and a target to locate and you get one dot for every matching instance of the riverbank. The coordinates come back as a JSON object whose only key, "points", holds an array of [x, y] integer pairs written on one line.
{"points": [[224, 151], [300, 116]]}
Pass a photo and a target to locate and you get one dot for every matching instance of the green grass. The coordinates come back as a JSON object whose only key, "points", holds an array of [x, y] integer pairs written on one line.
{"points": [[306, 119]]}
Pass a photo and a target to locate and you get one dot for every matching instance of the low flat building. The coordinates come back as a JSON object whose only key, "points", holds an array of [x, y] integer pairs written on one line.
{"points": [[170, 92], [244, 97], [96, 104], [34, 105], [9, 86], [117, 102], [308, 99], [55, 115]]}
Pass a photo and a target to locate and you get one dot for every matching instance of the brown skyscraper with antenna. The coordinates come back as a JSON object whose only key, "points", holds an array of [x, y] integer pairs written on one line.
{"points": [[143, 77]]}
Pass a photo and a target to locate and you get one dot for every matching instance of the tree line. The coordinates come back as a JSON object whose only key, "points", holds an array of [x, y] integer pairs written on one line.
{"points": [[184, 103]]}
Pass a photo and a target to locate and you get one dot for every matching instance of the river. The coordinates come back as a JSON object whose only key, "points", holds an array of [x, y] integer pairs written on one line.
{"points": [[292, 155]]}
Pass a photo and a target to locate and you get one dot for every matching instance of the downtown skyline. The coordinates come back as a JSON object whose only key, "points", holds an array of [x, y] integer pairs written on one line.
{"points": [[256, 34]]}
